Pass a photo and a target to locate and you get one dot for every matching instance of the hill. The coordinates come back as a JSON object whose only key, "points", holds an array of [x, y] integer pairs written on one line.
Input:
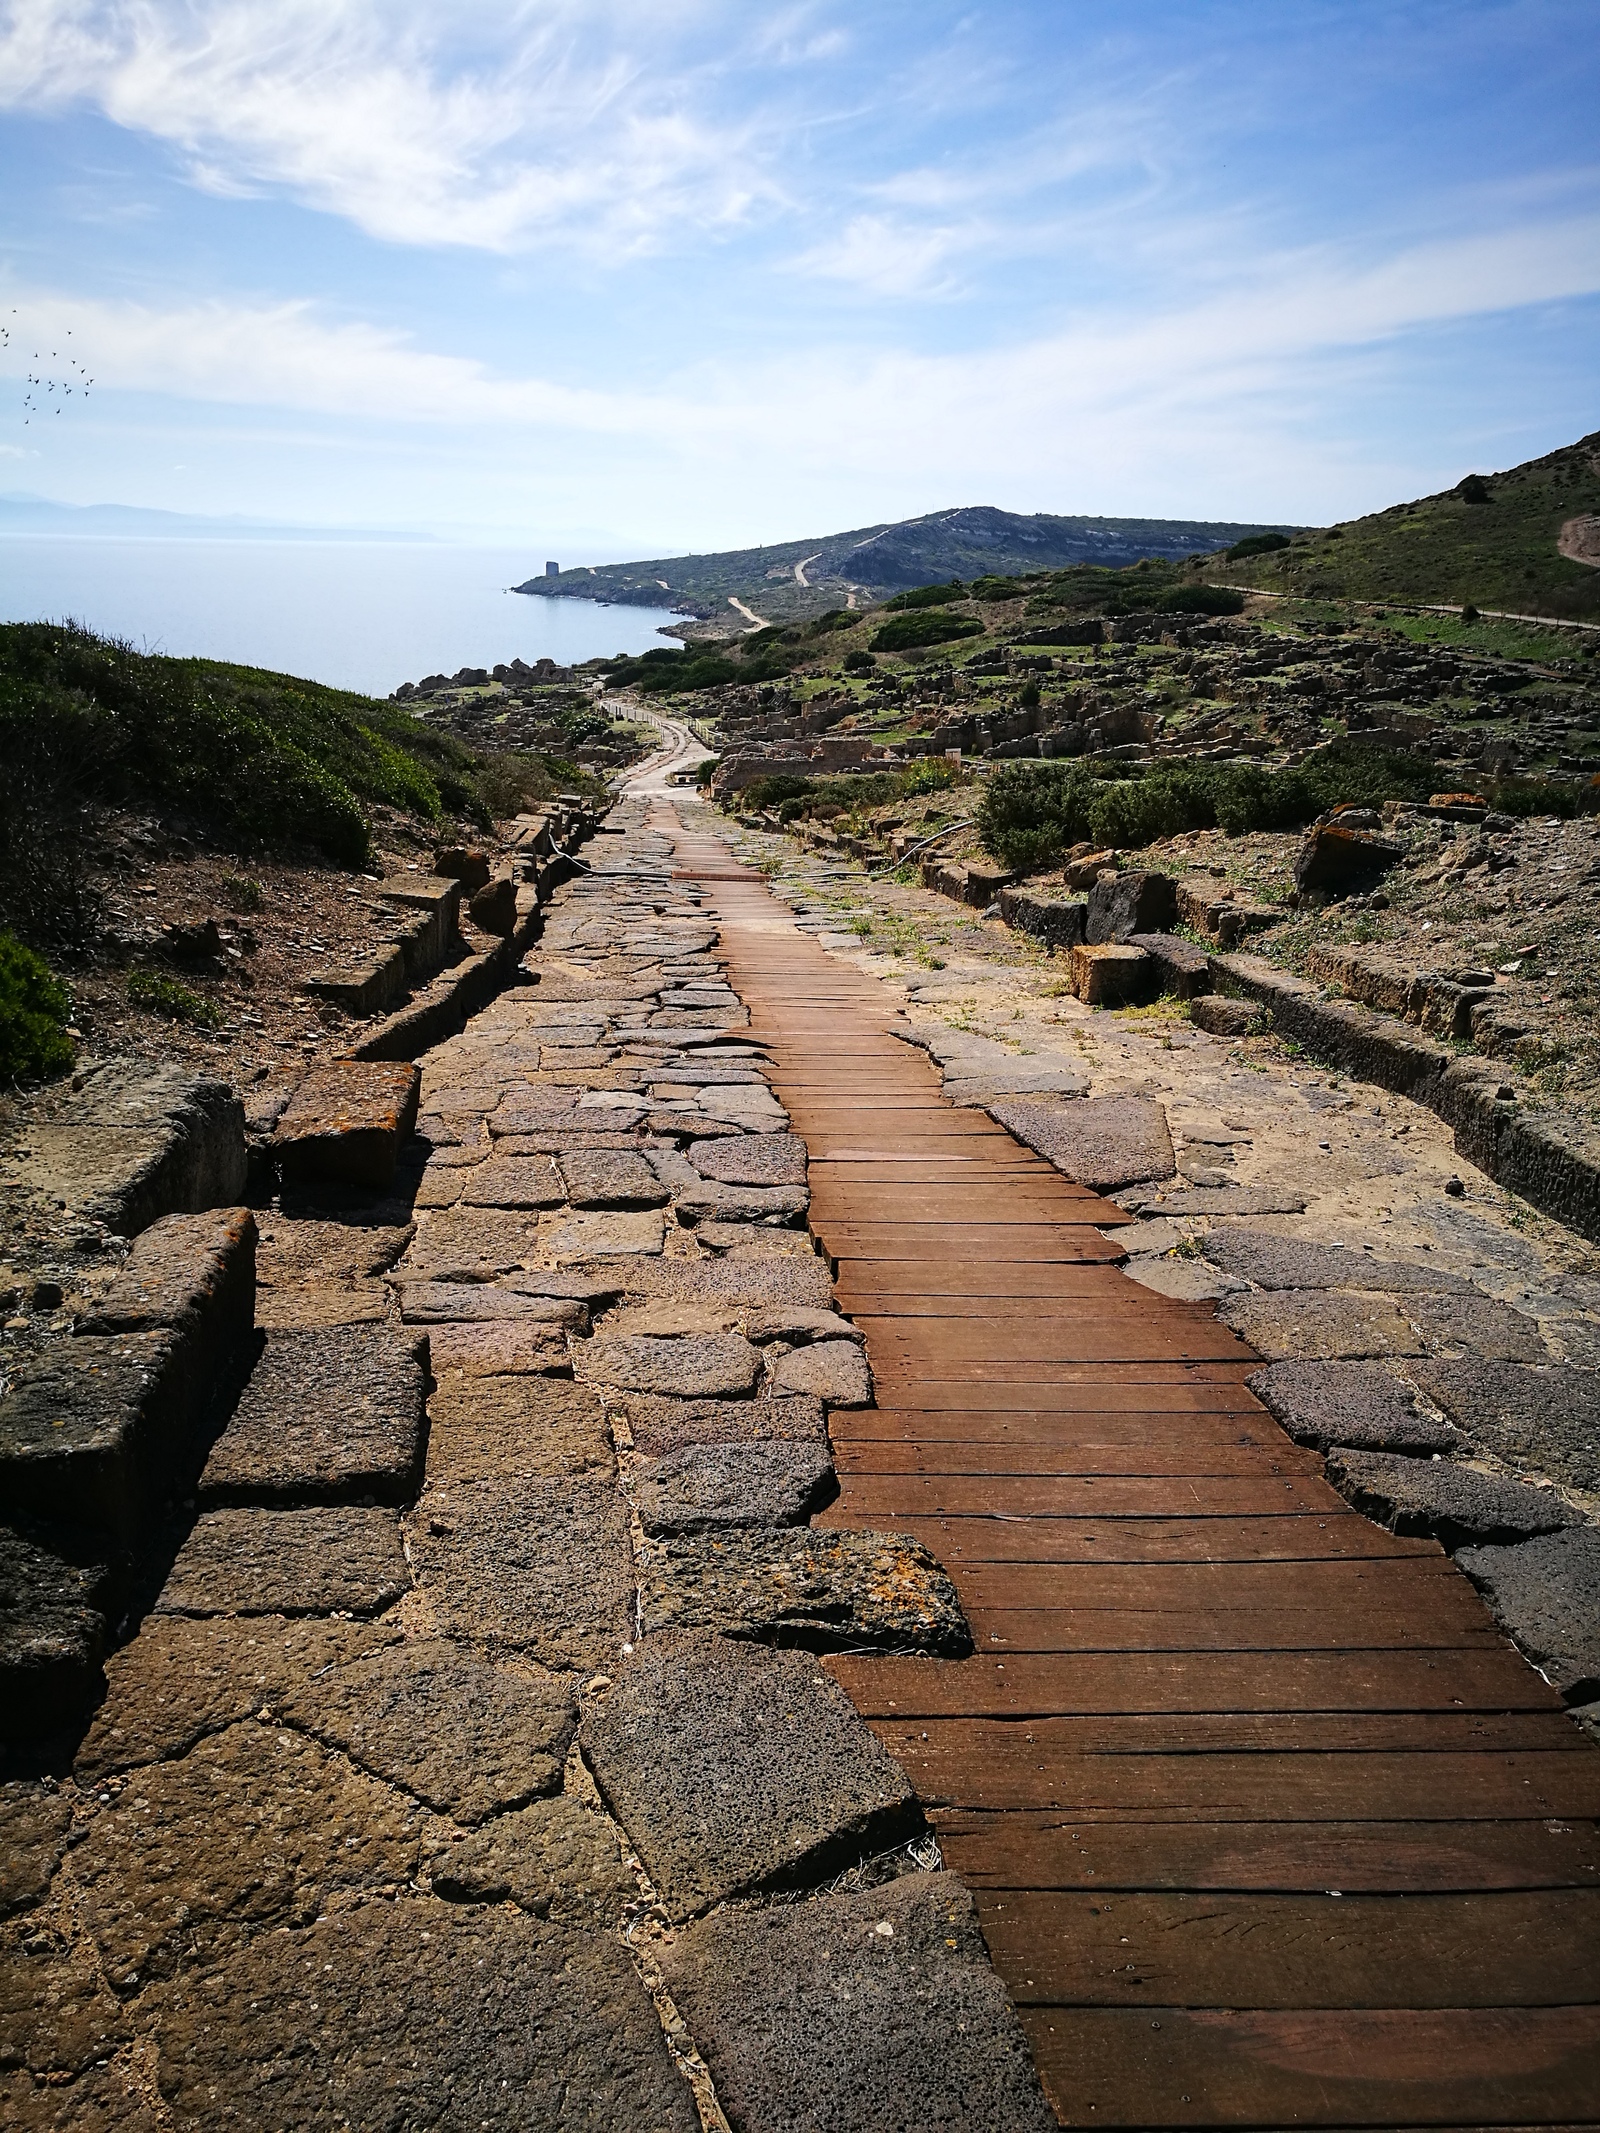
{"points": [[797, 580], [1511, 541]]}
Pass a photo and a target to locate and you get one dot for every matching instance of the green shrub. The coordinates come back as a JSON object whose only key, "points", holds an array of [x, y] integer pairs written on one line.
{"points": [[837, 618], [994, 588], [1256, 544], [34, 1044], [903, 633], [927, 596], [859, 663], [1168, 599], [242, 892], [159, 995]]}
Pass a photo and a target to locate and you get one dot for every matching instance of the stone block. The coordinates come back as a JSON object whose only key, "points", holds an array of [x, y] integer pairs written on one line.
{"points": [[484, 1428], [1363, 1406], [99, 1430], [1108, 975], [292, 1251], [1546, 1421], [1545, 1594], [465, 1303], [513, 1181], [493, 908], [641, 1234], [706, 1487], [346, 1122], [734, 1769], [326, 1561], [470, 1243], [800, 1280], [1100, 1141], [1436, 1496], [494, 1348], [765, 1159], [659, 1426], [701, 1366], [712, 1202], [1319, 1324], [462, 863], [1272, 1261], [327, 1416], [542, 1565], [832, 1371], [1219, 1016], [1335, 859], [1130, 902], [827, 1590], [821, 2014], [595, 1178], [792, 1322], [1182, 969], [556, 1858], [56, 1592], [194, 1274], [1055, 920]]}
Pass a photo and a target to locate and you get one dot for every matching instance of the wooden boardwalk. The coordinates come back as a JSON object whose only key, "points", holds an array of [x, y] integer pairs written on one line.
{"points": [[1267, 1824]]}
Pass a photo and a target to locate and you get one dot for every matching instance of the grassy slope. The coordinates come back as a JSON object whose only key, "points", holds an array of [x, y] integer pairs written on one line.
{"points": [[1498, 554]]}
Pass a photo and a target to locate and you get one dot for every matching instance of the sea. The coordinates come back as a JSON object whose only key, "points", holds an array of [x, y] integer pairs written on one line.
{"points": [[357, 615]]}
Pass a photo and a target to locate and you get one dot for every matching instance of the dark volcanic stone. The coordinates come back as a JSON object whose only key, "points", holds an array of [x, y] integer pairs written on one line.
{"points": [[834, 1372], [194, 1273], [55, 1590], [732, 1768], [659, 1426], [468, 1244], [318, 1562], [1451, 1502], [482, 1427], [56, 2016], [466, 1303], [1219, 1016], [822, 2014], [1227, 1200], [1319, 1324], [1127, 903], [1335, 858], [1546, 1594], [540, 1565], [1274, 1262], [708, 1201], [346, 1122], [395, 2017], [1547, 1420], [35, 1830], [557, 1858], [826, 1590], [514, 1181], [1099, 1141], [596, 1179], [98, 2101], [93, 1430], [754, 1159], [710, 1366], [708, 1486], [327, 1416], [1476, 1325], [1362, 1405]]}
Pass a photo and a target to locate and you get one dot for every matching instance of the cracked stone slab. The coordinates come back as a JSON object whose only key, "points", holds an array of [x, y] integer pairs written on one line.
{"points": [[833, 1371], [325, 1561], [734, 1768], [469, 1243], [253, 1829], [755, 1240], [346, 1121], [421, 2014], [1362, 1406], [326, 1417], [98, 2101], [1226, 1200], [1436, 1496], [543, 1565], [1320, 1324], [709, 1486], [707, 1201], [660, 1425], [820, 2014], [1545, 1594], [309, 1249], [430, 1303], [754, 1159], [603, 1235], [305, 1307], [1476, 1325], [1100, 1141], [828, 1590], [35, 1831], [698, 1366], [56, 2016], [513, 1182], [595, 1179], [498, 1348], [469, 1736], [796, 1324], [1547, 1420], [557, 1858], [1274, 1262], [1186, 1280], [515, 1427]]}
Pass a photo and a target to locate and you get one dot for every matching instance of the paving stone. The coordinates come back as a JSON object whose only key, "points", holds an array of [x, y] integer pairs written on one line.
{"points": [[525, 1110], [468, 1735], [427, 1303], [35, 1830], [346, 1121], [1112, 976], [756, 1110], [755, 1240], [602, 1235], [734, 1768], [754, 1159], [1547, 1421], [295, 1251], [1186, 1280], [502, 1348], [1274, 1262], [421, 2014], [708, 1365], [795, 1323], [823, 2014], [557, 1858], [834, 1372], [469, 1243], [1219, 1016], [1362, 1406], [706, 1487], [708, 1201], [542, 1565], [797, 1279], [661, 1320], [56, 2015], [596, 1179], [590, 1285], [659, 1426], [514, 1181], [828, 1590], [1476, 1325], [56, 1590], [327, 1417], [1228, 1200], [1319, 1324], [255, 1828], [1100, 1141], [302, 1308], [1453, 1503], [181, 1679], [518, 1426], [331, 1560], [1546, 1594]]}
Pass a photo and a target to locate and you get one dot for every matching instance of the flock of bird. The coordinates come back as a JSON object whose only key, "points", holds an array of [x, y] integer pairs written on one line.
{"points": [[40, 385]]}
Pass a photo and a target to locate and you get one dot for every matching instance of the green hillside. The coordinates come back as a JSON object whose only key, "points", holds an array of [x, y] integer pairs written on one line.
{"points": [[1492, 540]]}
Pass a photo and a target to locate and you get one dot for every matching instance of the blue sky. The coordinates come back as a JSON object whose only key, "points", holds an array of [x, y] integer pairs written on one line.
{"points": [[622, 278]]}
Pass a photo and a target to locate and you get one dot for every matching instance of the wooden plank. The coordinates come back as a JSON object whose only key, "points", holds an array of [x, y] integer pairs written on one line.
{"points": [[1234, 1628], [967, 1544], [1151, 1405], [1173, 1737], [1199, 1451], [1524, 1948], [877, 1497], [1047, 1851], [1431, 2067]]}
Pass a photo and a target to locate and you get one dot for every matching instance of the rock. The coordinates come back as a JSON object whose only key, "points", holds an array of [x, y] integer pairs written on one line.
{"points": [[1545, 1593], [481, 1428], [1219, 1016], [1182, 969], [735, 1769], [1186, 1280], [100, 2100], [708, 1486], [792, 1322], [493, 908], [513, 1181], [330, 1416], [55, 1592], [754, 1108], [465, 1303], [194, 1275], [602, 1236], [1099, 1141], [753, 1159], [1231, 1200], [421, 2014], [292, 1252], [253, 1829], [660, 1426], [1545, 1420], [710, 1202], [1276, 1262], [1051, 919], [98, 1430], [506, 1347], [468, 1736], [469, 1243], [56, 2016], [1470, 1324], [800, 1279], [828, 1590], [542, 1565], [302, 1309], [346, 1122], [1131, 902], [595, 1178], [1337, 859], [821, 2014], [318, 1562], [1362, 1406], [1105, 975], [702, 1366], [35, 1830], [754, 1240], [1453, 1503], [834, 1372], [1319, 1324], [557, 1859], [464, 864]]}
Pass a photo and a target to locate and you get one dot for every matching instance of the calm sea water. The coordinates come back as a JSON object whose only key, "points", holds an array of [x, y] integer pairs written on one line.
{"points": [[358, 616]]}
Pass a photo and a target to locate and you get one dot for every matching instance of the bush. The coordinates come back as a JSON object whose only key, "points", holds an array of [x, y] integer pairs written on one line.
{"points": [[165, 996], [1175, 600], [904, 633], [242, 892], [1256, 544], [34, 1044], [927, 596], [859, 663]]}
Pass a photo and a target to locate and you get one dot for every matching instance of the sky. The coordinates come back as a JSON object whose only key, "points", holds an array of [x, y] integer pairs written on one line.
{"points": [[624, 279]]}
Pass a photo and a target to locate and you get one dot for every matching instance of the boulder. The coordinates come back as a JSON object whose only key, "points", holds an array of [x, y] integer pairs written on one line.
{"points": [[1436, 1496], [346, 1122], [1334, 859], [1109, 975], [1131, 902], [1545, 1593]]}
